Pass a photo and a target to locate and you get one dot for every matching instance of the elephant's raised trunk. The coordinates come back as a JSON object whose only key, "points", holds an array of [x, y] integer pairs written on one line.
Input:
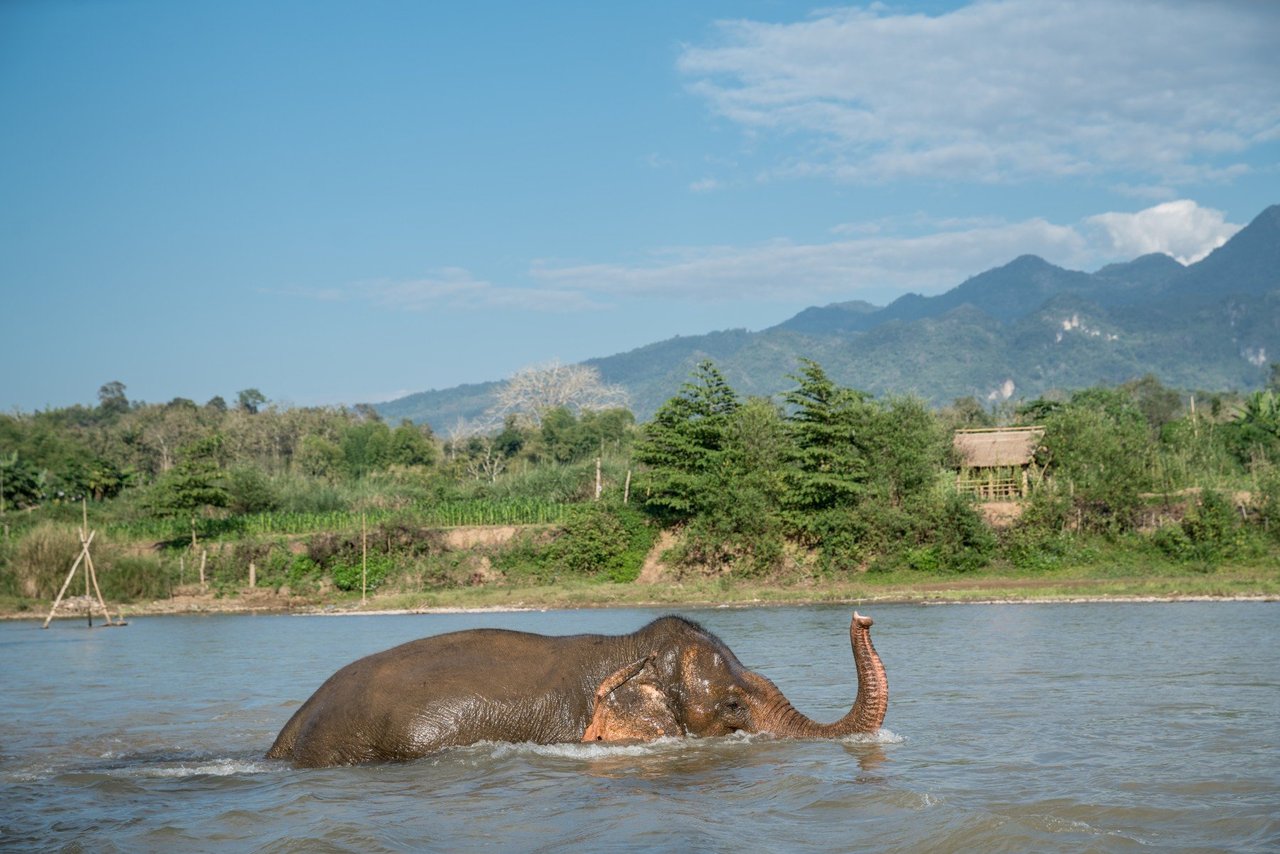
{"points": [[868, 709]]}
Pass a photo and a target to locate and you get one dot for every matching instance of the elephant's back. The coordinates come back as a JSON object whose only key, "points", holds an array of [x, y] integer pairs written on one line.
{"points": [[436, 691]]}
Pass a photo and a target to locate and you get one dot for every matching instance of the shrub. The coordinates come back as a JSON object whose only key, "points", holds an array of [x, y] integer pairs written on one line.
{"points": [[43, 558], [1267, 500], [1211, 526], [1034, 547], [1099, 445], [603, 541], [308, 495], [249, 491], [131, 577], [1173, 541], [347, 576], [304, 573], [963, 540]]}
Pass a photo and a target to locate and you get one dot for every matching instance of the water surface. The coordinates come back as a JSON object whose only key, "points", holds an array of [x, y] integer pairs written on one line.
{"points": [[1103, 727]]}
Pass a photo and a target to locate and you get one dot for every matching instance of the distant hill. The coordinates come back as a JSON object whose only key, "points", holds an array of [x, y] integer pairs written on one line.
{"points": [[1017, 330]]}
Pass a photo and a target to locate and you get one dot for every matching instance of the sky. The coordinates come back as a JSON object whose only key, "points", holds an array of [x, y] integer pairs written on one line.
{"points": [[343, 202]]}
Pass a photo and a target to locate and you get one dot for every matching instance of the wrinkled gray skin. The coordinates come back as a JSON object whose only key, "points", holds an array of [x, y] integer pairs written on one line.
{"points": [[670, 678]]}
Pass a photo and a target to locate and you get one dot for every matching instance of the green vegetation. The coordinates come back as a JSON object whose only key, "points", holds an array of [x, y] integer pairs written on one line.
{"points": [[823, 492]]}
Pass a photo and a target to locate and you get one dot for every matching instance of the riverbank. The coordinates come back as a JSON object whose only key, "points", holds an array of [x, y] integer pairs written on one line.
{"points": [[1079, 585]]}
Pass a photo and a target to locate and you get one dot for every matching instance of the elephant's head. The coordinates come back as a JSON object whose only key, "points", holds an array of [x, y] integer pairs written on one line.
{"points": [[690, 683]]}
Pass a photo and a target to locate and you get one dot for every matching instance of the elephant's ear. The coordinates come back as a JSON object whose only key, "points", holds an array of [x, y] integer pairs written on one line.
{"points": [[631, 705]]}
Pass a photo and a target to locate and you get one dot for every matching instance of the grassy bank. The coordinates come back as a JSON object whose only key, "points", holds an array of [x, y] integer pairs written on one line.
{"points": [[897, 588], [1091, 582]]}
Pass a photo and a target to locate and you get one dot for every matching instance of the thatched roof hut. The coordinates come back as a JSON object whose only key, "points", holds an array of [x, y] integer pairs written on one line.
{"points": [[995, 462], [997, 447]]}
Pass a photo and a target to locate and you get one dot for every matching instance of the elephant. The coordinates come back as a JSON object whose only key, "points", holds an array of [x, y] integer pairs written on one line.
{"points": [[671, 678]]}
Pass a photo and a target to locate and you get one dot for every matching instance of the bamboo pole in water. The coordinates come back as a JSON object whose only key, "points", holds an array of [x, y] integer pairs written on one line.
{"points": [[84, 535], [92, 573], [84, 549]]}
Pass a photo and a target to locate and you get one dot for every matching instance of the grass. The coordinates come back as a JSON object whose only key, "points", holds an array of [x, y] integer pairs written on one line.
{"points": [[905, 586], [455, 513], [1125, 568], [1241, 582]]}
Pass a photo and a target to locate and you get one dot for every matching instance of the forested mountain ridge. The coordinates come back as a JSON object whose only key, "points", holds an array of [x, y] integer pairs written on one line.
{"points": [[1018, 331]]}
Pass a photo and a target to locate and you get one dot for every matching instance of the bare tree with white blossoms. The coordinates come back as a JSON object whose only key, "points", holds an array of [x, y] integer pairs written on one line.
{"points": [[533, 391]]}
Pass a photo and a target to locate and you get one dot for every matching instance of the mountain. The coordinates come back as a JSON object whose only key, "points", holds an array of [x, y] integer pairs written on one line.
{"points": [[1018, 330]]}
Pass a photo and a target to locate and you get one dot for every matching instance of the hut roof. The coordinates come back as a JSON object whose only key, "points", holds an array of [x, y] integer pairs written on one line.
{"points": [[999, 446]]}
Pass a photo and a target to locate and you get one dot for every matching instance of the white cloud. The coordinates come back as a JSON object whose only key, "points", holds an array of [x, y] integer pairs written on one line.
{"points": [[1005, 90], [456, 288], [1182, 229], [786, 271], [878, 262]]}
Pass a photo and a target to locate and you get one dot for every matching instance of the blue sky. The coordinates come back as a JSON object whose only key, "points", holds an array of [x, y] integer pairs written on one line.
{"points": [[341, 202]]}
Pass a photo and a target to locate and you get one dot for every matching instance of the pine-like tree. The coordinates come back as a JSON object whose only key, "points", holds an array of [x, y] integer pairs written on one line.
{"points": [[830, 427], [685, 442]]}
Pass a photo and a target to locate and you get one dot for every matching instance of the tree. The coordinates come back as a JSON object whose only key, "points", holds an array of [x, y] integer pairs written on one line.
{"points": [[483, 460], [162, 431], [906, 449], [193, 485], [967, 412], [111, 399], [20, 484], [684, 443], [532, 392], [366, 447], [367, 412], [828, 426], [1255, 434], [103, 480], [741, 523], [251, 400], [249, 491], [319, 457], [1158, 404], [1098, 451], [412, 445], [562, 439]]}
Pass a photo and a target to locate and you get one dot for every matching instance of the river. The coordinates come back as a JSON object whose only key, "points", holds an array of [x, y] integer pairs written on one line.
{"points": [[1073, 727]]}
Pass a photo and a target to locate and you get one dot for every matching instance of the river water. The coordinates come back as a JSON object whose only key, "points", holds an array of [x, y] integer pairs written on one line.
{"points": [[1074, 727]]}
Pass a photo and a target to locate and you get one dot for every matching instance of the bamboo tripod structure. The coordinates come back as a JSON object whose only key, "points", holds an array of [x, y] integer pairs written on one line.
{"points": [[90, 577]]}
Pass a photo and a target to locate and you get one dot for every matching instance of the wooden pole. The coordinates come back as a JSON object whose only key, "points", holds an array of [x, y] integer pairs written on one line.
{"points": [[93, 573], [58, 599], [364, 561], [626, 489], [204, 556], [253, 575], [599, 487], [84, 535]]}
